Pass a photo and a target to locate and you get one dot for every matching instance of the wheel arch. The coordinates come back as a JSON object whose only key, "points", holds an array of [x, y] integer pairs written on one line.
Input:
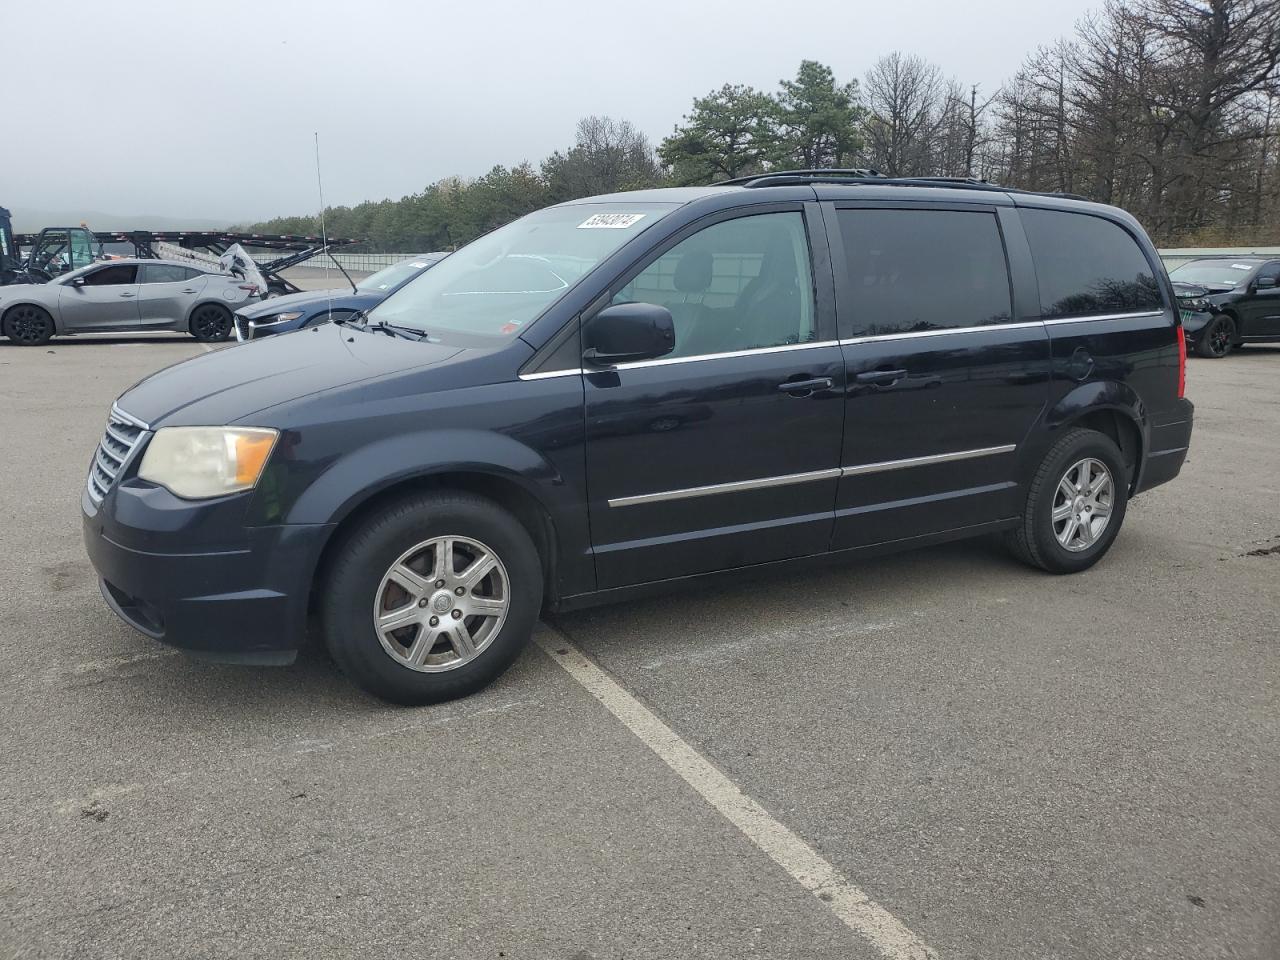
{"points": [[53, 313], [1112, 409], [503, 489], [206, 301]]}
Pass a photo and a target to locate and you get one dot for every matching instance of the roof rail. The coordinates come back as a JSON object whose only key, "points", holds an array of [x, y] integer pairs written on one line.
{"points": [[865, 176], [773, 177]]}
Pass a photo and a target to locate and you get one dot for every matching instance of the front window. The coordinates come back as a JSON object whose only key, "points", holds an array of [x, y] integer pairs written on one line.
{"points": [[742, 284], [1212, 273], [499, 284]]}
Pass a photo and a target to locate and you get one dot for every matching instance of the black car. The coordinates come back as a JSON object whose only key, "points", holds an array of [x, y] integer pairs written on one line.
{"points": [[1228, 301], [622, 394], [297, 310]]}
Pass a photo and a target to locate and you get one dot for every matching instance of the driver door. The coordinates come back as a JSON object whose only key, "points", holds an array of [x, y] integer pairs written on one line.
{"points": [[726, 452], [106, 301], [1261, 309]]}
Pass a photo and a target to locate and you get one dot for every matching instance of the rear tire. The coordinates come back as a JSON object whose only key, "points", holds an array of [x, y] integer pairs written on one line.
{"points": [[211, 323], [1217, 338], [390, 605], [28, 325], [1063, 528]]}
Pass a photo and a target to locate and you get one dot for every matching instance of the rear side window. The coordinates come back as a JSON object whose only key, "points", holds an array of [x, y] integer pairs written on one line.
{"points": [[1087, 265], [918, 270], [163, 273]]}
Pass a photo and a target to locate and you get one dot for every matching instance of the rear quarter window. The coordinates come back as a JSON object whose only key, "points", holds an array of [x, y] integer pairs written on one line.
{"points": [[1086, 265]]}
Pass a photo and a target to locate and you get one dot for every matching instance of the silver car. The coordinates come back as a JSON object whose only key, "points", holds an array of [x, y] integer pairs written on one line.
{"points": [[126, 296]]}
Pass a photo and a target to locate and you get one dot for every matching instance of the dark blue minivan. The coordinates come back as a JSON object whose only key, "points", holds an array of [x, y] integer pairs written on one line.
{"points": [[625, 393]]}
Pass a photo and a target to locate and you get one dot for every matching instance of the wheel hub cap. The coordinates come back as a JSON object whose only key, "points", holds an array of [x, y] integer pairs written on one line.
{"points": [[1082, 504], [441, 604]]}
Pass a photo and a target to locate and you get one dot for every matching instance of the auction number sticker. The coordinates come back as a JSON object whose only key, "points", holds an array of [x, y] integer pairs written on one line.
{"points": [[610, 221]]}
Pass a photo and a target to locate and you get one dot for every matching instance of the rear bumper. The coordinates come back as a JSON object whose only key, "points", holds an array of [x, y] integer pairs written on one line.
{"points": [[243, 599], [1167, 451]]}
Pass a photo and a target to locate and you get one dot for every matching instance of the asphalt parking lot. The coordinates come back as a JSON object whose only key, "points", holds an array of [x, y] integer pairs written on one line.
{"points": [[1010, 764]]}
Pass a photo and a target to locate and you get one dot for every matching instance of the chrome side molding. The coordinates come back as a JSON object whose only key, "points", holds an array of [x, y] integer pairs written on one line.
{"points": [[739, 486]]}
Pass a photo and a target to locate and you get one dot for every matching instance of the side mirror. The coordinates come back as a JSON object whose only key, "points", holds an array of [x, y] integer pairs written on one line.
{"points": [[78, 282], [1265, 283], [626, 332]]}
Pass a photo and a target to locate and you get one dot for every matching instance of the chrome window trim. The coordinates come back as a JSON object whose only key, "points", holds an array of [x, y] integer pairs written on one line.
{"points": [[945, 331], [728, 355], [738, 486], [734, 486], [886, 465], [1105, 316], [669, 361]]}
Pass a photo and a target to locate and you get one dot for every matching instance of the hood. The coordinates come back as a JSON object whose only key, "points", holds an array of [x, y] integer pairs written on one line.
{"points": [[231, 384], [341, 297]]}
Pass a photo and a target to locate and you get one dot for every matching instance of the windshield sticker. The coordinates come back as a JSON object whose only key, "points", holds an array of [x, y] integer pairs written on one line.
{"points": [[610, 221], [1241, 266]]}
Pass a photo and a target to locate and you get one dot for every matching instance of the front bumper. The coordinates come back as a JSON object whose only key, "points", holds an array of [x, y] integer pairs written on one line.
{"points": [[179, 572]]}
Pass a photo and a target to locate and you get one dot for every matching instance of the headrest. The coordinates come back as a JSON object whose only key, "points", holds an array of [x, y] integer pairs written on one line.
{"points": [[693, 272]]}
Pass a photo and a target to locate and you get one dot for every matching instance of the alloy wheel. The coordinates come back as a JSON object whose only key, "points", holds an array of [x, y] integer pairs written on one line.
{"points": [[28, 325], [441, 604], [1082, 504], [211, 323], [1220, 337]]}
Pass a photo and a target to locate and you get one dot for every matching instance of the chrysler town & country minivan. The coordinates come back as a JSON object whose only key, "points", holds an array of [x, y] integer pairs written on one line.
{"points": [[623, 393]]}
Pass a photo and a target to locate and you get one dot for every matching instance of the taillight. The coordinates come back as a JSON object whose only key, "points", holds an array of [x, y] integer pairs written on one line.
{"points": [[251, 287], [1182, 363]]}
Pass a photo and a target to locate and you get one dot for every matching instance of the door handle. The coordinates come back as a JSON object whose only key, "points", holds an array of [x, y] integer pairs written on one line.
{"points": [[128, 294], [189, 290], [804, 388], [881, 378]]}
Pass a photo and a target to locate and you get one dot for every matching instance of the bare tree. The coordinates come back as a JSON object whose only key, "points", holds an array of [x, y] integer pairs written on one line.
{"points": [[904, 98]]}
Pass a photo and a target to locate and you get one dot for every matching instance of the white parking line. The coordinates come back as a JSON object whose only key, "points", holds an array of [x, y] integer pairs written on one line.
{"points": [[859, 912]]}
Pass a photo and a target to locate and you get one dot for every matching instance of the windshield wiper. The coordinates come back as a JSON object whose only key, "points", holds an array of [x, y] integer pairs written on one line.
{"points": [[395, 330], [348, 317]]}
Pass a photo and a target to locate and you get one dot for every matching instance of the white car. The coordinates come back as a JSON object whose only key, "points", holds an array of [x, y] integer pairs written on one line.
{"points": [[126, 296]]}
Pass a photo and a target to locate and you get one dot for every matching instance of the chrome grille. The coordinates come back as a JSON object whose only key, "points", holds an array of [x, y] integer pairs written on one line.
{"points": [[117, 445]]}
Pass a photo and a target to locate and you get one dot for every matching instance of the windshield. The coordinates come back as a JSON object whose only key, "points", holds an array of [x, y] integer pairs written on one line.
{"points": [[390, 277], [1215, 273], [501, 282]]}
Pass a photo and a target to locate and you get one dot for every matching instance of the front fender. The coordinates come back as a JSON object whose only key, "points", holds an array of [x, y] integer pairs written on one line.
{"points": [[368, 470]]}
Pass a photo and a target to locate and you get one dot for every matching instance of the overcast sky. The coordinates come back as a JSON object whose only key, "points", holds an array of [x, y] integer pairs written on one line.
{"points": [[207, 109]]}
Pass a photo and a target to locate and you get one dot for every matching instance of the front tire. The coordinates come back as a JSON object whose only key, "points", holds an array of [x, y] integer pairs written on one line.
{"points": [[1217, 338], [28, 325], [431, 598], [1075, 504], [211, 323]]}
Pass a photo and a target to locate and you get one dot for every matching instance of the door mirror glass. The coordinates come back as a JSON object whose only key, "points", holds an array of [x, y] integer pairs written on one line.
{"points": [[626, 332]]}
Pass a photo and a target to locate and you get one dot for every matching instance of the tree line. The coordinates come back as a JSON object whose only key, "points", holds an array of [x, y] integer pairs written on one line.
{"points": [[1167, 108]]}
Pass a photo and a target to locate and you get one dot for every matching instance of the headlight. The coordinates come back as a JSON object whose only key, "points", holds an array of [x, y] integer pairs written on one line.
{"points": [[1200, 305], [279, 318], [201, 462]]}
